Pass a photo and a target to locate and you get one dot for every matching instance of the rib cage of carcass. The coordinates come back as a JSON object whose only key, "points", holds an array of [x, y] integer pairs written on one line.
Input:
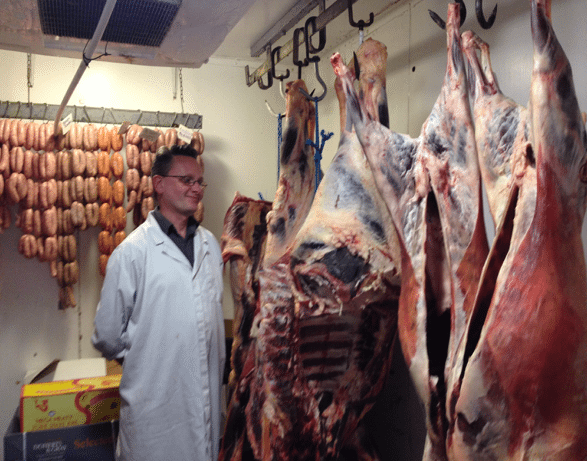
{"points": [[496, 342], [315, 283]]}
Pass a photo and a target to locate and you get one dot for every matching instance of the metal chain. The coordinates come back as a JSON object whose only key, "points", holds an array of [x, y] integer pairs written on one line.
{"points": [[181, 89], [29, 72]]}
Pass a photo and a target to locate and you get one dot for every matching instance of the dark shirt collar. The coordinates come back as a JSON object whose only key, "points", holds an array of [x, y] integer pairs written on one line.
{"points": [[168, 228]]}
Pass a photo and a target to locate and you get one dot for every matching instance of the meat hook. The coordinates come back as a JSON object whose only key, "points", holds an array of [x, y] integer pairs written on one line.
{"points": [[269, 108], [311, 96], [438, 20], [269, 75], [281, 78], [310, 48], [484, 23], [296, 50], [361, 24], [269, 82]]}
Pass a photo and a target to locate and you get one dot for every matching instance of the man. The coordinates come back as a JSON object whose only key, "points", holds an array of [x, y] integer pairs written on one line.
{"points": [[160, 314]]}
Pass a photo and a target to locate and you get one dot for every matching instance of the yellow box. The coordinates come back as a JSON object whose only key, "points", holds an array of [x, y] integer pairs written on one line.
{"points": [[69, 403]]}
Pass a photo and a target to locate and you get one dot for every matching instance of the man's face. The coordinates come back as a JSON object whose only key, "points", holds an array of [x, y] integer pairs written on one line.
{"points": [[173, 193]]}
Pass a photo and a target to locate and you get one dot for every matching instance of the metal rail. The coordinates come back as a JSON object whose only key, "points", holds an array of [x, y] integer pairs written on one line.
{"points": [[36, 111], [322, 20], [281, 27]]}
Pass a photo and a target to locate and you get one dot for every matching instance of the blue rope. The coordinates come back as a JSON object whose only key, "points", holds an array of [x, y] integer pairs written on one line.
{"points": [[319, 147]]}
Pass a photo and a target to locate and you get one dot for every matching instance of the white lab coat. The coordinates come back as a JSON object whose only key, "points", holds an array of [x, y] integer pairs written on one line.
{"points": [[164, 318]]}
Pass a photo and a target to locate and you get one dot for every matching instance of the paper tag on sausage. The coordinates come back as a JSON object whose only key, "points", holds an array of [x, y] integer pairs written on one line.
{"points": [[124, 127], [67, 122], [149, 134], [184, 133]]}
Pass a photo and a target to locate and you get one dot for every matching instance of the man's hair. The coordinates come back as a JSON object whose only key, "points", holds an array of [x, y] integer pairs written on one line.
{"points": [[164, 158]]}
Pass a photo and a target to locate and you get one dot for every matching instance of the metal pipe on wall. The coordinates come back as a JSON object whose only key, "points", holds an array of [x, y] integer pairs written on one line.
{"points": [[91, 47]]}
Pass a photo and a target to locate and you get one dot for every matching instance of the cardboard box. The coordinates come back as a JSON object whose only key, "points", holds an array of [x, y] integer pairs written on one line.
{"points": [[59, 404], [80, 368], [92, 441], [113, 367]]}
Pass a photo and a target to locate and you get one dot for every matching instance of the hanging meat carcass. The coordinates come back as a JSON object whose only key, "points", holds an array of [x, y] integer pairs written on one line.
{"points": [[523, 394], [432, 188], [243, 246], [501, 132], [255, 233], [345, 267], [327, 311], [297, 178]]}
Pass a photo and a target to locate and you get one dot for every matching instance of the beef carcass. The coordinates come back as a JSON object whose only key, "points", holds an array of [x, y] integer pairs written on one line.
{"points": [[254, 233], [501, 131], [523, 394], [432, 188], [345, 267], [243, 247], [327, 311], [297, 178]]}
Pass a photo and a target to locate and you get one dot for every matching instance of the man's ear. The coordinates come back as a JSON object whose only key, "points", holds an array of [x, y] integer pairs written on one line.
{"points": [[157, 184]]}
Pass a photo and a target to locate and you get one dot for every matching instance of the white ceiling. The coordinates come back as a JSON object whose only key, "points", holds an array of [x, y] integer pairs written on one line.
{"points": [[221, 29]]}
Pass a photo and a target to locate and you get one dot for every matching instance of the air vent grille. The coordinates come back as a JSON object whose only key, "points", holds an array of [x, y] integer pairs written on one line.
{"points": [[135, 22]]}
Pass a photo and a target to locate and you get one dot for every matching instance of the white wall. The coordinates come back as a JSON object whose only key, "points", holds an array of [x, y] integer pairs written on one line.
{"points": [[241, 155]]}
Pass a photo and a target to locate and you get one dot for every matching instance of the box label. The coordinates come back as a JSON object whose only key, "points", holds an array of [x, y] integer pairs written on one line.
{"points": [[96, 441], [69, 403]]}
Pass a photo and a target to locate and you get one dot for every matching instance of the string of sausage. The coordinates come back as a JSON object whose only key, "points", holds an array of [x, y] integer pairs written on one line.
{"points": [[74, 182]]}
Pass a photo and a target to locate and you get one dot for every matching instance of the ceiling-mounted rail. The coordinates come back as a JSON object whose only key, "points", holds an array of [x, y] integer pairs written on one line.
{"points": [[281, 27], [322, 20], [101, 115]]}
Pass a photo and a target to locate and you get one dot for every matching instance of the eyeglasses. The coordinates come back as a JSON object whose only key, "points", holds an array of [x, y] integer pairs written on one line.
{"points": [[187, 180]]}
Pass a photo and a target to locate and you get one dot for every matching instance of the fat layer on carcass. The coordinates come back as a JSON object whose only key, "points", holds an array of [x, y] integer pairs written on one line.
{"points": [[431, 186], [501, 131], [524, 394]]}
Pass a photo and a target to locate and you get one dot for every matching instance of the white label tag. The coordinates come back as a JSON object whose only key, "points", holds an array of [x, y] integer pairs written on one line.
{"points": [[124, 127], [149, 134], [184, 133], [67, 122]]}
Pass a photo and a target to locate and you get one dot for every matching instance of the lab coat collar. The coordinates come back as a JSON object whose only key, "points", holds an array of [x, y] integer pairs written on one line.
{"points": [[169, 248]]}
